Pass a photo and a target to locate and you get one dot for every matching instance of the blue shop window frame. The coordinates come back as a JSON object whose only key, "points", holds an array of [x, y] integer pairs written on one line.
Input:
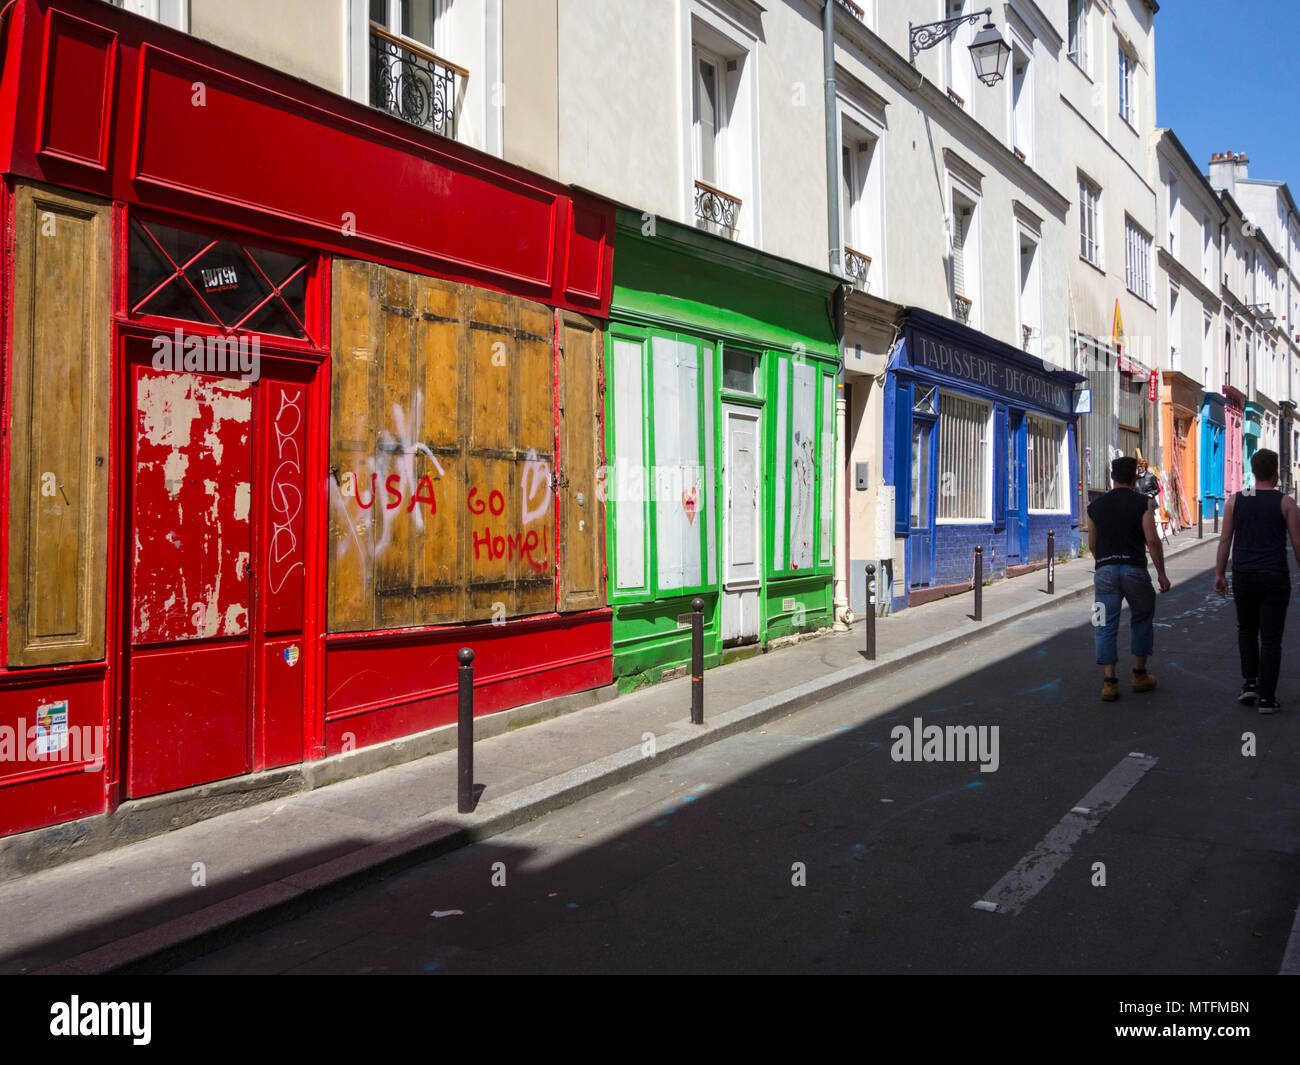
{"points": [[1212, 457], [952, 546]]}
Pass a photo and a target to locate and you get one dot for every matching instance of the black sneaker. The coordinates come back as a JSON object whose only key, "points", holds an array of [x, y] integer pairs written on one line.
{"points": [[1269, 706], [1249, 693]]}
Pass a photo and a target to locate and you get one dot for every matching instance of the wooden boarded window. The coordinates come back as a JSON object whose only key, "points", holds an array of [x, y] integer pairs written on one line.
{"points": [[58, 459], [442, 452]]}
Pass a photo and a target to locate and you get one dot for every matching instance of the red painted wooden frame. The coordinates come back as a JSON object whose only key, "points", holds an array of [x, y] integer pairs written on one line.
{"points": [[120, 114]]}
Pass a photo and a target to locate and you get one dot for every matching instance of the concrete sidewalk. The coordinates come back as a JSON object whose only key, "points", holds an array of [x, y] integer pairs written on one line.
{"points": [[158, 901]]}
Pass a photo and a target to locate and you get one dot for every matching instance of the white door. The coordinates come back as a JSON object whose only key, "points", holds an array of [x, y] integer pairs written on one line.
{"points": [[742, 579]]}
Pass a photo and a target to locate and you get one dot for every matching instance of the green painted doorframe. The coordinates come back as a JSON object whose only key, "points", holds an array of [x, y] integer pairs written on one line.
{"points": [[686, 286]]}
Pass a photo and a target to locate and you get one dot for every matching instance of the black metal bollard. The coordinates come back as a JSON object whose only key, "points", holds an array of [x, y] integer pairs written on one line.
{"points": [[1216, 515], [697, 661], [979, 583], [465, 732], [871, 612], [1200, 521], [1051, 561]]}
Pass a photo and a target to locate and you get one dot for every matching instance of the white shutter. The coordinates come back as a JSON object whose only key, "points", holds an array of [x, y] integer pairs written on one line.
{"points": [[960, 223], [629, 467], [668, 466]]}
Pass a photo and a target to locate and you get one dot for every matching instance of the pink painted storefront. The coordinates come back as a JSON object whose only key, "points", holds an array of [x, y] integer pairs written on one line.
{"points": [[1233, 412]]}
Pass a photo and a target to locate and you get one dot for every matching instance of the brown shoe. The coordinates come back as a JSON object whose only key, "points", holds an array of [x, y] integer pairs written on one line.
{"points": [[1143, 682], [1109, 689]]}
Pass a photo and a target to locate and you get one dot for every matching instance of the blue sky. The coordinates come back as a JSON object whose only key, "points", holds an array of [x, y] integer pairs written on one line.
{"points": [[1227, 76]]}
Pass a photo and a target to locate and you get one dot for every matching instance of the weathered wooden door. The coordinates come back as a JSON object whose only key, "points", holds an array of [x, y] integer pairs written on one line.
{"points": [[581, 430]]}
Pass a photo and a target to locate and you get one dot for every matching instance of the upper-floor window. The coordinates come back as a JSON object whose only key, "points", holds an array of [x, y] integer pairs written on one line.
{"points": [[965, 259], [1174, 226], [1137, 260], [1175, 329], [1078, 31], [1207, 251], [709, 113], [957, 53], [1031, 296], [174, 13], [1089, 221], [408, 78], [860, 207], [1022, 107], [719, 125], [1127, 86]]}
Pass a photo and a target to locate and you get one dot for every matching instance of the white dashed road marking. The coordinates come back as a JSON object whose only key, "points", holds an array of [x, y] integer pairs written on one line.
{"points": [[1035, 869]]}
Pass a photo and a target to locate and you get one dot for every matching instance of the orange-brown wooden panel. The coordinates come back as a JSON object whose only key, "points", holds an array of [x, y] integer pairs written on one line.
{"points": [[58, 467], [491, 371], [535, 451], [436, 369], [582, 536], [393, 455], [357, 352], [493, 538]]}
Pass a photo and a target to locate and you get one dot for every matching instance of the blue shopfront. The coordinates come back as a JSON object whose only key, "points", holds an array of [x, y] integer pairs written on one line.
{"points": [[1213, 428], [980, 447], [1251, 429]]}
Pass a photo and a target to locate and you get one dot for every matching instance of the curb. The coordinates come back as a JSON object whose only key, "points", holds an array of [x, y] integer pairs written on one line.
{"points": [[192, 935]]}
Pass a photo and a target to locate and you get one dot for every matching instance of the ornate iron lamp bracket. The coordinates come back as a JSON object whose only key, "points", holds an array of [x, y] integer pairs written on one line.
{"points": [[931, 33]]}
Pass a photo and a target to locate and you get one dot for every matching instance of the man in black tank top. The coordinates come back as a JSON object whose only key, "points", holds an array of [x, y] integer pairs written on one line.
{"points": [[1121, 530], [1257, 524]]}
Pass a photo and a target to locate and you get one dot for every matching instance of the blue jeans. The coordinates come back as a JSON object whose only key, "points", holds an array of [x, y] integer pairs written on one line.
{"points": [[1111, 585]]}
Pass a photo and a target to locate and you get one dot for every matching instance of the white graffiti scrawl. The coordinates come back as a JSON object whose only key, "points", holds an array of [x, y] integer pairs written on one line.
{"points": [[392, 467], [286, 492], [535, 488]]}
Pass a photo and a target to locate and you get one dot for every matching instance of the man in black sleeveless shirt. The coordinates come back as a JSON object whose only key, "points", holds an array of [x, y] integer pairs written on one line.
{"points": [[1256, 526], [1121, 530]]}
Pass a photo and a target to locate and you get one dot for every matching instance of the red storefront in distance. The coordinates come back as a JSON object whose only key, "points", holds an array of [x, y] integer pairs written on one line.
{"points": [[299, 400]]}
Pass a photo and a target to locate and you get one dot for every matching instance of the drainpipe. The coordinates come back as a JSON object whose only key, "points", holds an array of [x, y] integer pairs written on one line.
{"points": [[832, 140], [840, 591]]}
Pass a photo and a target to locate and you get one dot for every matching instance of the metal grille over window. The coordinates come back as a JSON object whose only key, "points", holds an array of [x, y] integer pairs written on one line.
{"points": [[715, 207], [178, 274], [963, 458], [1045, 473], [413, 83]]}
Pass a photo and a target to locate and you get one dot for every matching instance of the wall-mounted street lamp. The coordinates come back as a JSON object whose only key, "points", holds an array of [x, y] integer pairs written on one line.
{"points": [[1264, 313], [989, 52]]}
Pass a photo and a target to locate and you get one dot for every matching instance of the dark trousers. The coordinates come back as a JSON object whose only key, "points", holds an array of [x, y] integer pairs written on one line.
{"points": [[1261, 598]]}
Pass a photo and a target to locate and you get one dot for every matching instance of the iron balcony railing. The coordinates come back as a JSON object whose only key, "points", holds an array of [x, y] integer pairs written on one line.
{"points": [[961, 309], [857, 265], [413, 83], [716, 208]]}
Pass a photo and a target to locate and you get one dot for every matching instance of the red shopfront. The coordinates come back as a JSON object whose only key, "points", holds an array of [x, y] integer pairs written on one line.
{"points": [[299, 401]]}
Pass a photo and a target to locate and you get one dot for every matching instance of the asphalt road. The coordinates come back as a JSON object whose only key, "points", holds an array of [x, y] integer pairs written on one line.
{"points": [[1184, 861]]}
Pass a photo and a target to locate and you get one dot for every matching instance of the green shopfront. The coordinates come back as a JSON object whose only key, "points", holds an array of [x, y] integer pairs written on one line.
{"points": [[720, 400]]}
